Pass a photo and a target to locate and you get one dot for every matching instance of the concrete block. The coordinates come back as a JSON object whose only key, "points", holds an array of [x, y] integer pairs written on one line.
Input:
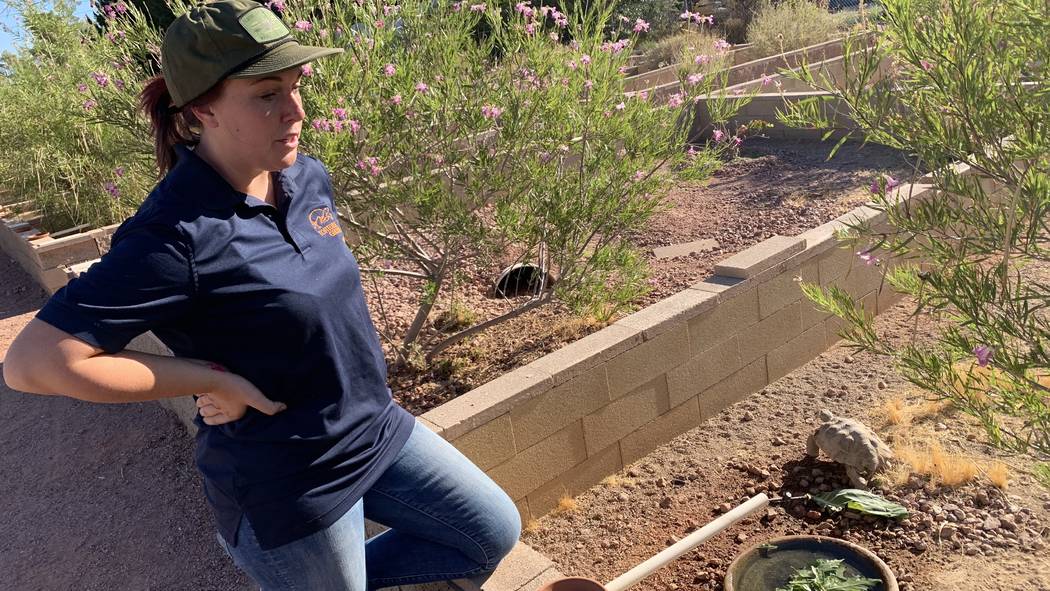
{"points": [[671, 424], [835, 264], [822, 238], [66, 251], [612, 422], [648, 360], [860, 279], [780, 327], [725, 287], [834, 324], [865, 214], [796, 352], [523, 510], [490, 444], [518, 571], [732, 315], [733, 389], [577, 480], [435, 428], [686, 249], [670, 312], [587, 353], [536, 465], [488, 401], [811, 314], [760, 257], [886, 298], [555, 409], [784, 289], [704, 370]]}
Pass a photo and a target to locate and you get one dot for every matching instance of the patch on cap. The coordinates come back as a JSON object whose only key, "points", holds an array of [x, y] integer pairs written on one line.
{"points": [[263, 25]]}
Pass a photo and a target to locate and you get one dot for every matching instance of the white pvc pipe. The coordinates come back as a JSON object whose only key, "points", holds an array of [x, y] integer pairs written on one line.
{"points": [[631, 577]]}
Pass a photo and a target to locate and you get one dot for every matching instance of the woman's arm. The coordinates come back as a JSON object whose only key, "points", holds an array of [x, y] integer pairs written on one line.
{"points": [[46, 360]]}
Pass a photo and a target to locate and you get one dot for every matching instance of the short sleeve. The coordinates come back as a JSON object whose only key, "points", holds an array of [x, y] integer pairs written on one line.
{"points": [[145, 281]]}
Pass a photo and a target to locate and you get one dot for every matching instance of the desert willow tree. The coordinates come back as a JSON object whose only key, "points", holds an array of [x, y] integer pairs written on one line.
{"points": [[456, 134], [967, 94]]}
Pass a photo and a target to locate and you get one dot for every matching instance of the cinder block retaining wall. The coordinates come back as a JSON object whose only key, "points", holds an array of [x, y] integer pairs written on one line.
{"points": [[45, 258], [562, 423]]}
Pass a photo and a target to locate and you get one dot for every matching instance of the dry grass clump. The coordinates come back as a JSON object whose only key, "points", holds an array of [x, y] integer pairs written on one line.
{"points": [[791, 24], [566, 504], [615, 480], [999, 475], [932, 460], [531, 527], [898, 412]]}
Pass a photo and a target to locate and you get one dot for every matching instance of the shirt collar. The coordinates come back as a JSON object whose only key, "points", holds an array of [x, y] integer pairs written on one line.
{"points": [[213, 191]]}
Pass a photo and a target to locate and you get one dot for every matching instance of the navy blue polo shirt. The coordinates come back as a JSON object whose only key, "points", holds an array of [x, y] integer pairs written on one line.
{"points": [[273, 294]]}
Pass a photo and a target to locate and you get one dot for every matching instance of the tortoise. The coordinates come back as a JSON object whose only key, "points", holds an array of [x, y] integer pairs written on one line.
{"points": [[851, 443]]}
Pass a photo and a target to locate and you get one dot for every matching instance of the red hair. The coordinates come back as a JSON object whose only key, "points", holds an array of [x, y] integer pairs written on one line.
{"points": [[171, 126]]}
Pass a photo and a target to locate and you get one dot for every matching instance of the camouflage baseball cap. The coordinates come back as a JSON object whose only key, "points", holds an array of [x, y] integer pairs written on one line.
{"points": [[228, 39]]}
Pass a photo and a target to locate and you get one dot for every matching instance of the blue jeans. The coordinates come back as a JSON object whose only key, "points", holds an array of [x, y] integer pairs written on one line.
{"points": [[447, 520]]}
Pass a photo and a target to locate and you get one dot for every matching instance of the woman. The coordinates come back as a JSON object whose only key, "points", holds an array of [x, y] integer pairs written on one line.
{"points": [[236, 261]]}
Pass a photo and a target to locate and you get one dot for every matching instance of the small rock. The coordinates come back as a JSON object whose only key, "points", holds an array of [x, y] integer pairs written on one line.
{"points": [[803, 483], [991, 524], [724, 508], [770, 515], [669, 541], [779, 441], [881, 385], [665, 503], [741, 538], [633, 473], [814, 515], [623, 497], [940, 427], [971, 550], [701, 578], [751, 491], [848, 359], [981, 498], [747, 418]]}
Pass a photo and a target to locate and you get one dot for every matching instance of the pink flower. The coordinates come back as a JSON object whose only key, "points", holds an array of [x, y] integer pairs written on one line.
{"points": [[722, 45], [890, 182], [687, 16], [621, 106], [422, 88], [457, 6], [588, 84], [983, 354], [701, 59], [354, 125], [111, 189], [530, 28], [307, 70], [275, 5], [694, 79], [100, 79], [120, 7], [380, 23], [638, 176], [478, 7], [89, 104], [717, 135], [322, 33], [585, 59], [303, 25], [119, 84], [82, 87], [491, 112], [868, 258], [396, 100], [766, 79], [339, 113], [526, 10], [675, 101], [640, 26], [926, 64], [119, 171], [737, 141], [389, 70], [572, 65]]}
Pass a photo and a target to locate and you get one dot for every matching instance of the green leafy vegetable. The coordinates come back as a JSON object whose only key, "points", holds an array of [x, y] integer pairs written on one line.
{"points": [[827, 575], [861, 501]]}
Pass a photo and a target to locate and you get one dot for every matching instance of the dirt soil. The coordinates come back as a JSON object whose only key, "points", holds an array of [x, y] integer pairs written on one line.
{"points": [[776, 187], [971, 537], [97, 496]]}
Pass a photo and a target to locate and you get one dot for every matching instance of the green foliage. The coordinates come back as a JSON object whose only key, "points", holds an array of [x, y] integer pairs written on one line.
{"points": [[827, 575], [789, 25], [961, 85], [1042, 474], [662, 15], [860, 501], [57, 93]]}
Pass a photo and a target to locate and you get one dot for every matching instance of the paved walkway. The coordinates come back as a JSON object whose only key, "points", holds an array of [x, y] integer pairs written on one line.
{"points": [[107, 497]]}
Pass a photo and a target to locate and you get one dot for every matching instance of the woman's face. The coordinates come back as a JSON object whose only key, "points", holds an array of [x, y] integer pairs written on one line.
{"points": [[255, 122]]}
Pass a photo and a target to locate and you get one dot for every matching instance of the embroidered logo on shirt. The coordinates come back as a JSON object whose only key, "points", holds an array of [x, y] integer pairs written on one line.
{"points": [[324, 222]]}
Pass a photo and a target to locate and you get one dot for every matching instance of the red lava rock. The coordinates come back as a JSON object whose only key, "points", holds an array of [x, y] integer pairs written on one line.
{"points": [[814, 515]]}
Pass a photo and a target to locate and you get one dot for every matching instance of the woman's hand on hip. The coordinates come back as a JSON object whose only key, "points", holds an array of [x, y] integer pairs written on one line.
{"points": [[230, 401]]}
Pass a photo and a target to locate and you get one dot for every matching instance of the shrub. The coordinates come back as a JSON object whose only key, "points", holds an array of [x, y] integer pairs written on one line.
{"points": [[789, 25], [968, 99]]}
